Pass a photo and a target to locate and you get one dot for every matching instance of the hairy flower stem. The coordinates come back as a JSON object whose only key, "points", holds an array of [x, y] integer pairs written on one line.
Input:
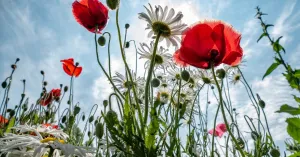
{"points": [[128, 70], [213, 136], [223, 113], [149, 76]]}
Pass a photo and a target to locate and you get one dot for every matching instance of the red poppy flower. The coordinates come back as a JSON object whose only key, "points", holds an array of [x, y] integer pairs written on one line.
{"points": [[90, 13], [209, 41], [49, 97], [70, 68], [219, 131], [3, 120]]}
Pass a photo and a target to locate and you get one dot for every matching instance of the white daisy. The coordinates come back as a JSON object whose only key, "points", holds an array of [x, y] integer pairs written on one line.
{"points": [[164, 22], [162, 57], [123, 84]]}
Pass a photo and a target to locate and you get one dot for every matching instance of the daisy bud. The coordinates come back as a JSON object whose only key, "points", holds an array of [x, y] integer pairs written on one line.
{"points": [[155, 82], [254, 135], [14, 66], [261, 103], [112, 118], [99, 130], [64, 118], [101, 40], [113, 4], [4, 84], [221, 73], [127, 25], [185, 75], [127, 45], [83, 117], [66, 88], [76, 110], [91, 119], [42, 72], [275, 153], [105, 103]]}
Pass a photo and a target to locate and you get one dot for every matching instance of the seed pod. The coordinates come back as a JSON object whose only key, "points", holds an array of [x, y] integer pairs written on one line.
{"points": [[101, 40], [185, 75], [221, 73], [155, 82], [275, 153], [99, 130], [127, 25], [113, 4]]}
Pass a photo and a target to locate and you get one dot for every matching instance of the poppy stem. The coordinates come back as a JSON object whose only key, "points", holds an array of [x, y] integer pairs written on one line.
{"points": [[149, 76], [223, 112]]}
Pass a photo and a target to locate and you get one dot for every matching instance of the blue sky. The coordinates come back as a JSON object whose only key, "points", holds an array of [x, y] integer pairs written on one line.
{"points": [[41, 33]]}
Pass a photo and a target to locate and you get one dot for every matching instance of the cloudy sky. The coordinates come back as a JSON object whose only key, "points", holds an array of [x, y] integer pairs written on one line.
{"points": [[43, 32]]}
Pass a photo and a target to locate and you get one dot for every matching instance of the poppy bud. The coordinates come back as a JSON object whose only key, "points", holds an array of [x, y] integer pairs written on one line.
{"points": [[127, 25], [241, 143], [155, 82], [68, 102], [212, 87], [4, 84], [42, 72], [89, 133], [76, 110], [105, 103], [91, 119], [220, 73], [234, 109], [17, 60], [113, 4], [254, 135], [14, 66], [83, 117], [99, 130], [112, 118], [66, 88], [64, 118], [127, 45], [275, 153], [185, 75], [76, 64], [45, 83], [22, 95], [261, 103], [12, 113], [101, 40]]}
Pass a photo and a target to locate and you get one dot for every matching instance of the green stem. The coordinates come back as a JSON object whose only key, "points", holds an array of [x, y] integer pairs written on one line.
{"points": [[223, 113], [149, 76]]}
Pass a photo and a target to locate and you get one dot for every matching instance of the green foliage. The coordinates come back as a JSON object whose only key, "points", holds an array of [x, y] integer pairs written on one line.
{"points": [[289, 109], [293, 128], [11, 123], [271, 69]]}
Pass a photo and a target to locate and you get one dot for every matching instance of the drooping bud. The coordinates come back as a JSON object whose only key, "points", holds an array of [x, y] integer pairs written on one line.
{"points": [[113, 4], [45, 83], [66, 88], [99, 130], [221, 73], [262, 104], [4, 84], [13, 66], [275, 153], [91, 119], [76, 110], [240, 142], [77, 63], [185, 75], [89, 133], [42, 72], [254, 135], [101, 40], [127, 45], [12, 113], [17, 60], [155, 82], [105, 103], [127, 25], [83, 117], [64, 118], [112, 118]]}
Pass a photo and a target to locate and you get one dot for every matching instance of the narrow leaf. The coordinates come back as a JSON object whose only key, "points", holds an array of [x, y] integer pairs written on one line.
{"points": [[11, 123], [297, 98], [270, 69], [289, 109], [261, 36], [297, 73]]}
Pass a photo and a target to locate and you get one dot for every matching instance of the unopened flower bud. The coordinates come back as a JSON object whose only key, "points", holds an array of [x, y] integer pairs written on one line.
{"points": [[262, 104], [76, 110], [275, 153], [234, 109], [89, 133], [221, 73], [127, 45], [77, 63], [45, 83], [91, 119], [241, 143], [113, 4], [71, 119], [64, 118], [17, 60], [254, 135], [155, 82], [127, 25], [101, 40], [105, 103], [112, 118], [42, 72], [12, 113], [83, 117], [185, 75], [66, 88], [14, 66], [99, 130], [4, 84]]}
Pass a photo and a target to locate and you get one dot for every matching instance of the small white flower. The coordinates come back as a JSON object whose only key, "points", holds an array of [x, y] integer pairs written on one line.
{"points": [[70, 150], [162, 58], [163, 21], [124, 84]]}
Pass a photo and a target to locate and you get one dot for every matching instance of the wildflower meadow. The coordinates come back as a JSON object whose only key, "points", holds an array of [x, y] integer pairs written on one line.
{"points": [[182, 92]]}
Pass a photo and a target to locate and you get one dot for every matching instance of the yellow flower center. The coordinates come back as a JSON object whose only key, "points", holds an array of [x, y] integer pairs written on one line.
{"points": [[48, 139], [161, 27]]}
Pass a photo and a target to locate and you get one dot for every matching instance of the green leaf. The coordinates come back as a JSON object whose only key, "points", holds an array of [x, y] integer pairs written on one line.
{"points": [[296, 154], [261, 36], [277, 47], [297, 73], [297, 98], [289, 109], [293, 128], [11, 123], [271, 69]]}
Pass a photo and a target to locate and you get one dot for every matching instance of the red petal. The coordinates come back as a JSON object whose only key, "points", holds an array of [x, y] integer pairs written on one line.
{"points": [[221, 127], [99, 13], [77, 71], [3, 120], [178, 60], [83, 16], [69, 61], [84, 2], [67, 69]]}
